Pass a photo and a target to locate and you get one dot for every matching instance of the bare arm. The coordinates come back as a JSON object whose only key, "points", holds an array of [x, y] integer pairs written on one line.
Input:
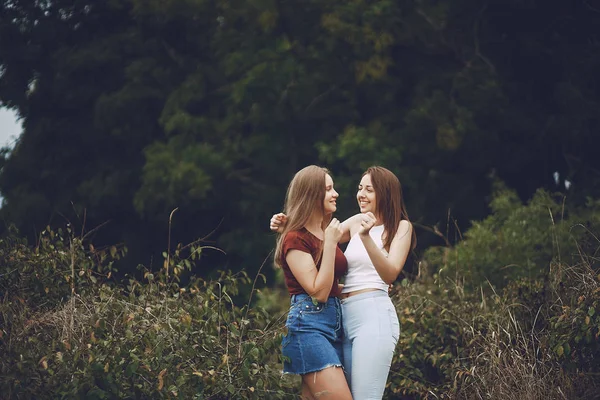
{"points": [[349, 227], [317, 282], [389, 267]]}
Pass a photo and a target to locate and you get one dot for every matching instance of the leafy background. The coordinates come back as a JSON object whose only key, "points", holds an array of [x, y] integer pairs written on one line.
{"points": [[160, 136], [69, 330], [134, 108]]}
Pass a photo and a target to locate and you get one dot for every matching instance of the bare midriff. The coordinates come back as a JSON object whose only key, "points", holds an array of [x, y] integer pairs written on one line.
{"points": [[346, 295]]}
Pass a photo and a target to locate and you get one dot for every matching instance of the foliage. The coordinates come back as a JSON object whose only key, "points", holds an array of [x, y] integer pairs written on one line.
{"points": [[506, 351], [575, 322], [58, 266], [133, 108], [433, 320], [517, 240], [158, 338], [151, 339], [460, 345]]}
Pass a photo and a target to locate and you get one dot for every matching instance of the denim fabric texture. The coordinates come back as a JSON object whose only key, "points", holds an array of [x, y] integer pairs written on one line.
{"points": [[371, 331], [314, 335]]}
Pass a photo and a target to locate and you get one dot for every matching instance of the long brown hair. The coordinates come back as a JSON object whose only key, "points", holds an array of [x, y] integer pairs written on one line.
{"points": [[390, 203], [305, 193]]}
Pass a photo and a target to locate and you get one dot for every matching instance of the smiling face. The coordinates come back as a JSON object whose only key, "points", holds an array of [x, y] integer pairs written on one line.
{"points": [[330, 201], [365, 196]]}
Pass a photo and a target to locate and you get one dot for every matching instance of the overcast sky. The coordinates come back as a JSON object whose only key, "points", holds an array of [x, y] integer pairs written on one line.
{"points": [[10, 128]]}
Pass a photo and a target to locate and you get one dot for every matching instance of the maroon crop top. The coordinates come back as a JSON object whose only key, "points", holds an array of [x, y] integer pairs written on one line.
{"points": [[305, 241]]}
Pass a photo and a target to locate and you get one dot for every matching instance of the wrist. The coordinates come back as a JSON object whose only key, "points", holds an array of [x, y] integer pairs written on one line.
{"points": [[329, 243]]}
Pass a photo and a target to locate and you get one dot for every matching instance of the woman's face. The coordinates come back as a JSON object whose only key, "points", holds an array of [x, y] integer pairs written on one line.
{"points": [[366, 195], [331, 196]]}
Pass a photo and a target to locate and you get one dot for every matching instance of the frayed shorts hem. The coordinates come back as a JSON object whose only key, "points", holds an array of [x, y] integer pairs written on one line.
{"points": [[313, 370]]}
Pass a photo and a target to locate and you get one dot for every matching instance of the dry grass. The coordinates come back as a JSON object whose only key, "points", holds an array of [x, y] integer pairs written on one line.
{"points": [[512, 363], [71, 321], [517, 363]]}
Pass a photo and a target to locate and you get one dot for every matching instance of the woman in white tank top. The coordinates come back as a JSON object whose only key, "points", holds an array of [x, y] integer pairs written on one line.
{"points": [[380, 238]]}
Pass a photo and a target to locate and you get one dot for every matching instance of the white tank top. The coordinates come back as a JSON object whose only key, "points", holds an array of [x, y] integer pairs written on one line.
{"points": [[361, 271]]}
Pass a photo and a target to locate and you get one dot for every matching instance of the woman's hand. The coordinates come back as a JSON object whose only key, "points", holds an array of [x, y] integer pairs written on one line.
{"points": [[368, 221], [277, 223], [333, 232]]}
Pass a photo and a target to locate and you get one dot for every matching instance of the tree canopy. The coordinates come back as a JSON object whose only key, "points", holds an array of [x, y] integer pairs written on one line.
{"points": [[134, 108]]}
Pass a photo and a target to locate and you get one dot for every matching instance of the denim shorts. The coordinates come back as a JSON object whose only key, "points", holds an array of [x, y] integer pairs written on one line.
{"points": [[314, 335]]}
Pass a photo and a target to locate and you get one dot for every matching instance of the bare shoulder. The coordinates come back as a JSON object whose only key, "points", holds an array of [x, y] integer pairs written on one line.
{"points": [[404, 229], [406, 225]]}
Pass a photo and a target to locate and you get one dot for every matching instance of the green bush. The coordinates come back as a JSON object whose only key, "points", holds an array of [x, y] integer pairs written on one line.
{"points": [[459, 344], [517, 240], [432, 339], [59, 265], [68, 331], [575, 317], [151, 339]]}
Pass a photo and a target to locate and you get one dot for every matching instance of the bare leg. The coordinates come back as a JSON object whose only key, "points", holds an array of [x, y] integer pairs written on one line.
{"points": [[329, 384], [306, 395]]}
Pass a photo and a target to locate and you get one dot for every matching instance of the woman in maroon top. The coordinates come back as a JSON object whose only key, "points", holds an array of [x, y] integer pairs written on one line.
{"points": [[312, 264]]}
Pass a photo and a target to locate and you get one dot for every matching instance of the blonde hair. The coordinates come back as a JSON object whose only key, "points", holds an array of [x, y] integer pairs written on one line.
{"points": [[305, 193]]}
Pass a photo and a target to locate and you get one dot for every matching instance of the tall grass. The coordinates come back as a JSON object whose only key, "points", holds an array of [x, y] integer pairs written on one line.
{"points": [[67, 330]]}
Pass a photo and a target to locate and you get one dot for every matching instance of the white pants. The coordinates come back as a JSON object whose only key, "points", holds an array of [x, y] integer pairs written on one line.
{"points": [[371, 331]]}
